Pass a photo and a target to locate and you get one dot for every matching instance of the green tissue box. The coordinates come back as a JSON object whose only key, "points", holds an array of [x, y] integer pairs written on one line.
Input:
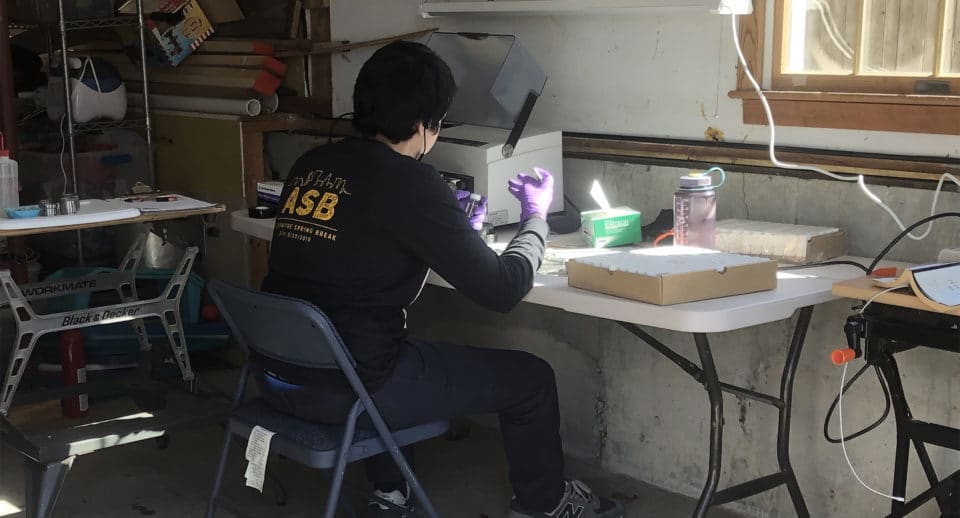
{"points": [[611, 227]]}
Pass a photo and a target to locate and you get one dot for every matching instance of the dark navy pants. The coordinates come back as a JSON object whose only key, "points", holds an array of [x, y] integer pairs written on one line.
{"points": [[436, 381]]}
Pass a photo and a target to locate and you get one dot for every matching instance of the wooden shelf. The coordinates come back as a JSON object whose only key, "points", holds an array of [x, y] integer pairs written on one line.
{"points": [[845, 97], [929, 114], [532, 7]]}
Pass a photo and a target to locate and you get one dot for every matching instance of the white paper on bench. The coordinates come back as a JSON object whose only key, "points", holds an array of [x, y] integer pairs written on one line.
{"points": [[180, 203]]}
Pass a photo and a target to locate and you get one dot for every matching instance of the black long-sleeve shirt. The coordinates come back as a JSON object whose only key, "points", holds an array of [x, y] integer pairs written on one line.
{"points": [[359, 226]]}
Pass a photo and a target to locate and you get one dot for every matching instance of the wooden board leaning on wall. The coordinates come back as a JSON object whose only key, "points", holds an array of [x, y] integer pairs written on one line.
{"points": [[754, 157]]}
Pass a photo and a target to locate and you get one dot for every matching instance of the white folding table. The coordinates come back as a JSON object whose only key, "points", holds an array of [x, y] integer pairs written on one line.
{"points": [[798, 290], [50, 450]]}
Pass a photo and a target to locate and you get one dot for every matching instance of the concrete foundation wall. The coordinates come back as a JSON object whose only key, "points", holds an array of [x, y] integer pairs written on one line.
{"points": [[667, 74], [633, 412]]}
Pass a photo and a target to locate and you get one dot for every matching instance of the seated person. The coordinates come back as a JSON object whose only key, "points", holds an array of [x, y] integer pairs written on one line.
{"points": [[360, 224]]}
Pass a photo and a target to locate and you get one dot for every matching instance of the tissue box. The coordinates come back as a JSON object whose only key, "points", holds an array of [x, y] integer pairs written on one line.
{"points": [[173, 42], [611, 227], [672, 275], [268, 193]]}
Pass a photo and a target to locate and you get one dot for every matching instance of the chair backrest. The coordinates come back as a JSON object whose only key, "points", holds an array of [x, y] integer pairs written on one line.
{"points": [[281, 328]]}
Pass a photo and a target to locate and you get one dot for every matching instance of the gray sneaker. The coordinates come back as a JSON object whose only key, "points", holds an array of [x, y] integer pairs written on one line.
{"points": [[389, 505], [577, 502]]}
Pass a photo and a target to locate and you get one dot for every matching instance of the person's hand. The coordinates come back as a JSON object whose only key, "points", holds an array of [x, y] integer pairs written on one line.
{"points": [[479, 212], [535, 195]]}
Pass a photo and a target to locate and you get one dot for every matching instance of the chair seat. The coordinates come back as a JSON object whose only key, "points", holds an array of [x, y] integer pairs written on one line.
{"points": [[315, 444]]}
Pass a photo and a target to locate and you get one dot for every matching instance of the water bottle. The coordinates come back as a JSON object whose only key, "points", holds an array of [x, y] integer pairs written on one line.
{"points": [[9, 180], [695, 210]]}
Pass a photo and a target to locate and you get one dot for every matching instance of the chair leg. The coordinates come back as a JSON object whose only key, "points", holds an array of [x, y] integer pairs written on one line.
{"points": [[336, 485], [43, 485], [280, 497], [354, 492], [394, 450], [218, 481], [416, 487]]}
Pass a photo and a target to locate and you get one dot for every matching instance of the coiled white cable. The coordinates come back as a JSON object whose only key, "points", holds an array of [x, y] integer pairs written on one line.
{"points": [[859, 179], [843, 444]]}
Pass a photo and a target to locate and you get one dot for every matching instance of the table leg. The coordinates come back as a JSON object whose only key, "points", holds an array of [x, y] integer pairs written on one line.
{"points": [[43, 483], [930, 472], [786, 396], [706, 374], [712, 383], [128, 293], [18, 250], [888, 367]]}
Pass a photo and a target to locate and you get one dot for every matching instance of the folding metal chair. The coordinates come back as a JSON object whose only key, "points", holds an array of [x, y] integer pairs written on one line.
{"points": [[298, 333]]}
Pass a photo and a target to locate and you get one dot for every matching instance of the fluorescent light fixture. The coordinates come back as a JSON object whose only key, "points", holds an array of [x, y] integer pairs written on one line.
{"points": [[534, 7]]}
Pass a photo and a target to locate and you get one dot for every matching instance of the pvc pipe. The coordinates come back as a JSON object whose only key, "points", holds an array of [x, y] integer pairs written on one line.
{"points": [[270, 103], [243, 107]]}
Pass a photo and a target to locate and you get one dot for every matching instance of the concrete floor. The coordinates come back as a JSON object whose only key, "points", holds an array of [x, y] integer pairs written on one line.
{"points": [[466, 478]]}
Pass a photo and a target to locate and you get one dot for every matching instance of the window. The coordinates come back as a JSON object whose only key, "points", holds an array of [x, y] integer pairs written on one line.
{"points": [[868, 46], [886, 65]]}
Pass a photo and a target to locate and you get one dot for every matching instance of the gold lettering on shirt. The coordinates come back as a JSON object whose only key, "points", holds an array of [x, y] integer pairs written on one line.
{"points": [[325, 208], [306, 203], [291, 202]]}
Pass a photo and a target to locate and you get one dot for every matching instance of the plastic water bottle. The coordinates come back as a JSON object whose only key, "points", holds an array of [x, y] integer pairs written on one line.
{"points": [[9, 180], [695, 210]]}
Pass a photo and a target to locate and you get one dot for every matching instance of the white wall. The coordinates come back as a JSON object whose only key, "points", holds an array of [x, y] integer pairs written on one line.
{"points": [[624, 406], [656, 74], [631, 411]]}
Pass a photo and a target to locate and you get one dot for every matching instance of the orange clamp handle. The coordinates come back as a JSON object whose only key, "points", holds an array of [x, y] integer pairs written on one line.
{"points": [[886, 271], [841, 356]]}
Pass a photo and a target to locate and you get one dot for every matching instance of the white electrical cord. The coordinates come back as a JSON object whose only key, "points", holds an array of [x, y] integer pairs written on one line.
{"points": [[875, 297], [843, 382], [843, 445], [846, 178], [87, 62], [63, 147], [826, 16]]}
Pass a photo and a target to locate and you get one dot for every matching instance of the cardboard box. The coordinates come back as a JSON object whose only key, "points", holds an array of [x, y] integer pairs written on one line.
{"points": [[797, 244], [611, 227], [172, 43], [221, 11], [672, 275]]}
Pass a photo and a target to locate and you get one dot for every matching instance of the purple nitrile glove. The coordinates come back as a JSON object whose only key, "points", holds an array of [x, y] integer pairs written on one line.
{"points": [[479, 212], [535, 194]]}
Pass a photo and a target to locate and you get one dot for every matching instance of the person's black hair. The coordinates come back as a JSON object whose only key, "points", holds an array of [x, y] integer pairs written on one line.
{"points": [[402, 84]]}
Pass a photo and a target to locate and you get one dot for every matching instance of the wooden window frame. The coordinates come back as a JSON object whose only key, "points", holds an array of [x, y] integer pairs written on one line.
{"points": [[894, 83], [822, 103]]}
